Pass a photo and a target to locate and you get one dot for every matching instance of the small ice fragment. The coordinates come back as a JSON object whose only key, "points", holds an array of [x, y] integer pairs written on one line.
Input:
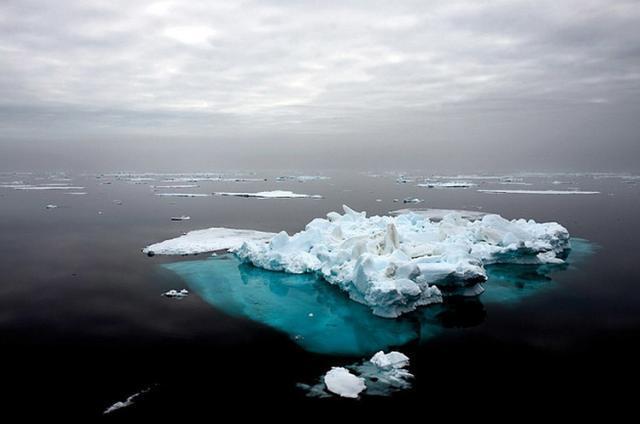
{"points": [[310, 315], [176, 294], [51, 206], [341, 382], [123, 404], [118, 202], [411, 200], [180, 218], [390, 360]]}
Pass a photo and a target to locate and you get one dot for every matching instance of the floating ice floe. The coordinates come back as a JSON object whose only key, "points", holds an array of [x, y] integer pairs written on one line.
{"points": [[275, 194], [51, 206], [175, 186], [176, 294], [183, 194], [77, 193], [208, 240], [395, 264], [382, 375], [412, 200], [180, 218], [301, 178], [123, 404], [447, 184], [47, 187], [341, 382], [438, 214], [552, 192]]}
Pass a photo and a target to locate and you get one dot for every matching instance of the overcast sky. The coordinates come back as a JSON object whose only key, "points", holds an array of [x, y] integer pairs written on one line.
{"points": [[457, 85]]}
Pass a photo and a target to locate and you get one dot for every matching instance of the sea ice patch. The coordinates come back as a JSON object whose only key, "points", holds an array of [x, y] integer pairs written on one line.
{"points": [[549, 192], [275, 194], [207, 240]]}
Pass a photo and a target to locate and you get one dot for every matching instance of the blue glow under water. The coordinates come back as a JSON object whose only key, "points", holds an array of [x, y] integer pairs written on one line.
{"points": [[322, 319]]}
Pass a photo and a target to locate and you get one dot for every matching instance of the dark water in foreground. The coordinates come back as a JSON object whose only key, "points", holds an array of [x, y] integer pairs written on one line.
{"points": [[83, 325]]}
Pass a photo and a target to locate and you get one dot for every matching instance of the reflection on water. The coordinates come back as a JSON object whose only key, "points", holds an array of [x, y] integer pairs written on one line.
{"points": [[322, 319]]}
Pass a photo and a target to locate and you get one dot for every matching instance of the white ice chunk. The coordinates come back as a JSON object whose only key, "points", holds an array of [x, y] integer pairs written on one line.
{"points": [[275, 194], [180, 218], [123, 404], [207, 240], [390, 360], [176, 294], [341, 382]]}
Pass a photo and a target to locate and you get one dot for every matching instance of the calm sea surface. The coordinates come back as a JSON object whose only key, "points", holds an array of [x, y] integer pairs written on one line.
{"points": [[83, 324]]}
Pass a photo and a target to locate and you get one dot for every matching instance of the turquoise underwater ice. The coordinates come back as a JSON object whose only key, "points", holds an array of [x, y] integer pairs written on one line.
{"points": [[322, 319]]}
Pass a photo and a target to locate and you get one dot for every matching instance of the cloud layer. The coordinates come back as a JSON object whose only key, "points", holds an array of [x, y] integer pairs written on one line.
{"points": [[308, 70]]}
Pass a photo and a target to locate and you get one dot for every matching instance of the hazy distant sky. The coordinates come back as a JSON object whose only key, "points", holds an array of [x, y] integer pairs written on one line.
{"points": [[367, 84]]}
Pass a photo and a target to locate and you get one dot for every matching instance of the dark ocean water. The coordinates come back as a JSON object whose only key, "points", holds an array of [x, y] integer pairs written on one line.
{"points": [[83, 325]]}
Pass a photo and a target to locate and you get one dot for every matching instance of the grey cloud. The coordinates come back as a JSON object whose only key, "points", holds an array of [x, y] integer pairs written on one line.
{"points": [[329, 78]]}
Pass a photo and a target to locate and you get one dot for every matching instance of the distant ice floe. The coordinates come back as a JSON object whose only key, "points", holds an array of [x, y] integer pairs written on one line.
{"points": [[396, 264], [448, 184], [550, 192], [301, 178], [175, 186], [183, 194], [47, 187], [208, 240], [126, 403], [176, 294], [382, 375], [180, 218], [51, 207], [275, 194], [439, 214], [412, 200]]}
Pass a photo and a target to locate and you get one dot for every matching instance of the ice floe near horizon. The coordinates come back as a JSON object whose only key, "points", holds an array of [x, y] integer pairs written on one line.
{"points": [[550, 192], [46, 187], [438, 214], [396, 264], [274, 194], [301, 178], [183, 194], [207, 240], [447, 184]]}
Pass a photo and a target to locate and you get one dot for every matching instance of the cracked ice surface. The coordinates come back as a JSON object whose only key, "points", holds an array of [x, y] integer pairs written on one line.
{"points": [[395, 264]]}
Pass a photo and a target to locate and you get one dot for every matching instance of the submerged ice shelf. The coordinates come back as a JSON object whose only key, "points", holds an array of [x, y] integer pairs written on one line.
{"points": [[321, 319], [396, 264]]}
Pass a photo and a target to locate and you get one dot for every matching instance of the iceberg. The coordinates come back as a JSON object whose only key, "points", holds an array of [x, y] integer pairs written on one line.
{"points": [[275, 194], [396, 264], [207, 240]]}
